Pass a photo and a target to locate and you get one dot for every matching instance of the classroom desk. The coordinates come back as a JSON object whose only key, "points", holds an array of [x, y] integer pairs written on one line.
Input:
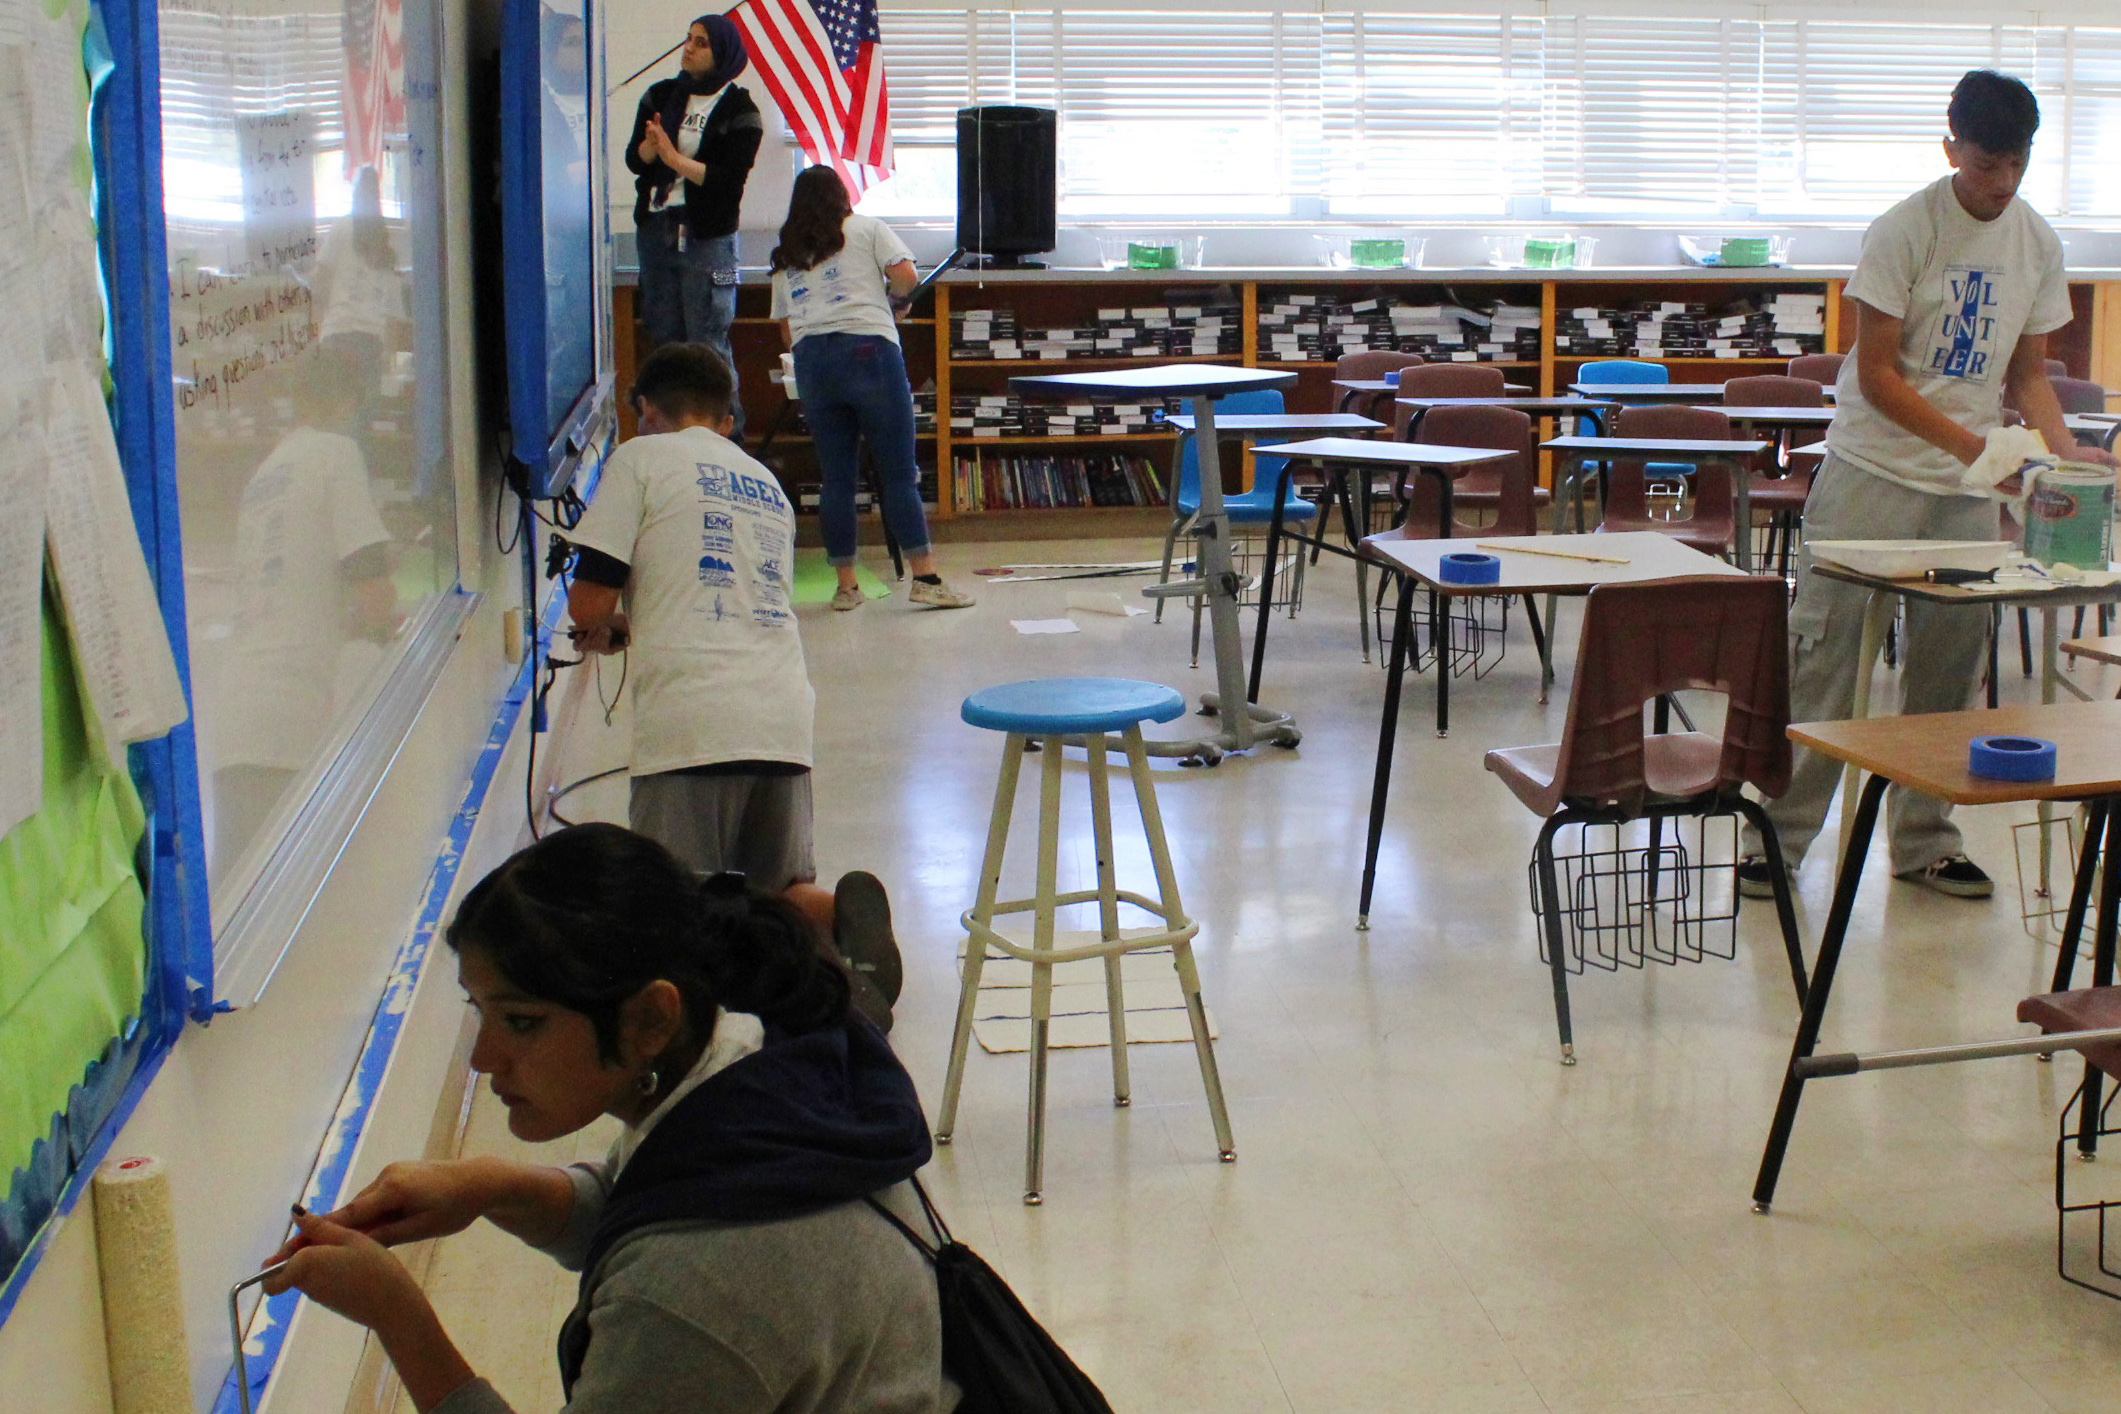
{"points": [[1560, 405], [1643, 555], [2049, 598], [1928, 753], [1337, 459], [1651, 392], [1352, 388], [1244, 725], [1782, 419], [1735, 453]]}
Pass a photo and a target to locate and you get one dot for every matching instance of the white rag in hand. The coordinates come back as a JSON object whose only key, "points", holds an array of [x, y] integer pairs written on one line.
{"points": [[2007, 452]]}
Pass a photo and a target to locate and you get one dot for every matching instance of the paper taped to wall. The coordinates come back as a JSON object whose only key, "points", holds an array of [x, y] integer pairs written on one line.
{"points": [[109, 602]]}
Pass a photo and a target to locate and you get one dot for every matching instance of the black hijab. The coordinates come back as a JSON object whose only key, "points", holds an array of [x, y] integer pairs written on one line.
{"points": [[730, 59]]}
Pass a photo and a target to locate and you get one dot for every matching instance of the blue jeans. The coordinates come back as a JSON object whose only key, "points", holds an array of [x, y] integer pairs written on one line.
{"points": [[854, 386], [689, 296]]}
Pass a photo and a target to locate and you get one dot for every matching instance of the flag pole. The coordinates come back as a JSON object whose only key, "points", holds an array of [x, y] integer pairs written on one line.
{"points": [[647, 66]]}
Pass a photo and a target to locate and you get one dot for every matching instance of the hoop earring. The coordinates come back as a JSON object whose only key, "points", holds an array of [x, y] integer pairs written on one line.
{"points": [[648, 1083]]}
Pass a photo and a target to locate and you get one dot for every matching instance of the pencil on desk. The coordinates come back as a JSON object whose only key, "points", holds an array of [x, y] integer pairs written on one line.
{"points": [[1556, 554]]}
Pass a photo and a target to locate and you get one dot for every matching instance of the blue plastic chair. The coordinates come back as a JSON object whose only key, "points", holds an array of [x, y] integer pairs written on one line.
{"points": [[1254, 507], [1057, 712], [1631, 370]]}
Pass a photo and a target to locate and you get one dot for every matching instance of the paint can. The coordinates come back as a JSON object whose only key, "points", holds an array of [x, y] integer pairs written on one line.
{"points": [[2069, 515]]}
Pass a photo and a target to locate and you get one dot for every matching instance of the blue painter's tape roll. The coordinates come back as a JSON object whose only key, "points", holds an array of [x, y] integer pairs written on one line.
{"points": [[2011, 758], [1465, 567], [1391, 378]]}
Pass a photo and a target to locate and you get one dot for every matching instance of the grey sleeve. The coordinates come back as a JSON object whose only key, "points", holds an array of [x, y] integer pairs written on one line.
{"points": [[592, 1184]]}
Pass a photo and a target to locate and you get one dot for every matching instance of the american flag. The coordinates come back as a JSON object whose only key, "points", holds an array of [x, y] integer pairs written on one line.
{"points": [[374, 85], [823, 62]]}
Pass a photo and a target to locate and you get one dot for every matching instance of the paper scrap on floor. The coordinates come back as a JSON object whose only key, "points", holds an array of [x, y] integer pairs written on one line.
{"points": [[1094, 601], [1155, 1003], [1046, 625]]}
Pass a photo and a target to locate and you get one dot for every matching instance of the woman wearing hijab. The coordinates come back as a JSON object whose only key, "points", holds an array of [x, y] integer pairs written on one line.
{"points": [[694, 139], [732, 1261]]}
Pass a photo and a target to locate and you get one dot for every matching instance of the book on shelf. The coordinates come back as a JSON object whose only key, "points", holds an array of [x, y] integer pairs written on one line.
{"points": [[1321, 329], [1779, 326], [1148, 331], [1055, 482]]}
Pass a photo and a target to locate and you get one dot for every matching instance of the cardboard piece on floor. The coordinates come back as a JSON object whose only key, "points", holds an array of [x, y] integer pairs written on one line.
{"points": [[1028, 626]]}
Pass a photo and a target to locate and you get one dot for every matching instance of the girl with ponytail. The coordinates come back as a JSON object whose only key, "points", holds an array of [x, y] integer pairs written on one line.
{"points": [[729, 1263]]}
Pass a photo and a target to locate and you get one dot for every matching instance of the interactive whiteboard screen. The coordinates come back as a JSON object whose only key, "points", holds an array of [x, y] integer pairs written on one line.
{"points": [[300, 185]]}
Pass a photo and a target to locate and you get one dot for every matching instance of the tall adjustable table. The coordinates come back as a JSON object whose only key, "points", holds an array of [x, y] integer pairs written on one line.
{"points": [[1733, 452], [1928, 753], [1337, 459], [1531, 564], [1244, 724]]}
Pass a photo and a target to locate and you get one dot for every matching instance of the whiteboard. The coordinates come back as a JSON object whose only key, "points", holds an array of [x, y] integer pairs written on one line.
{"points": [[306, 307]]}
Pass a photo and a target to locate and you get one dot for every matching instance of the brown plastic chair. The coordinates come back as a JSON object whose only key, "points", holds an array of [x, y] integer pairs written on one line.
{"points": [[1371, 363], [2087, 1009], [2056, 368], [1510, 487], [1819, 367], [2078, 394], [1641, 643], [1452, 380], [1779, 491], [1627, 504]]}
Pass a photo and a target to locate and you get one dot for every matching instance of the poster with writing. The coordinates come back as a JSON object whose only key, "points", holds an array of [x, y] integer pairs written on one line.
{"points": [[278, 155]]}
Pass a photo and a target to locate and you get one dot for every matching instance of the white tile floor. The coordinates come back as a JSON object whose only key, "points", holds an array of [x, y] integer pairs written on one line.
{"points": [[1428, 1212]]}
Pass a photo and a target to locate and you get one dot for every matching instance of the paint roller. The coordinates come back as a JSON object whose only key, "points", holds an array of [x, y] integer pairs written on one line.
{"points": [[143, 1301]]}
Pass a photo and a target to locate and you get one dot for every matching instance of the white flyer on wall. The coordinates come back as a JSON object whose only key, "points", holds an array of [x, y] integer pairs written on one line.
{"points": [[112, 614], [21, 605]]}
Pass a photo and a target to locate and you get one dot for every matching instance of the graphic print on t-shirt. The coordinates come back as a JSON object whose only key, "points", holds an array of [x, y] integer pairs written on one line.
{"points": [[751, 496], [1964, 343]]}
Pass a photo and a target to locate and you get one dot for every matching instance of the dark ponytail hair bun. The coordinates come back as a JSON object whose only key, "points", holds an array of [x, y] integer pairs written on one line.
{"points": [[589, 915]]}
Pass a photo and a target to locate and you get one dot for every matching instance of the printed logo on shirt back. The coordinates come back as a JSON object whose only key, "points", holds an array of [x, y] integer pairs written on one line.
{"points": [[1963, 345]]}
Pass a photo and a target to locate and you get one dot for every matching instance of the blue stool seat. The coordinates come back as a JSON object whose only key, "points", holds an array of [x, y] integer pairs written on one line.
{"points": [[1256, 506], [1071, 706]]}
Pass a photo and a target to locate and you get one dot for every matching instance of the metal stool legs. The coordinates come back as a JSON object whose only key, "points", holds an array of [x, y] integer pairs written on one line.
{"points": [[1111, 948]]}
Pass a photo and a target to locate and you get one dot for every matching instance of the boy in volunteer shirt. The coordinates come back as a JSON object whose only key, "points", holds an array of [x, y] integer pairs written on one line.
{"points": [[700, 539], [1956, 291]]}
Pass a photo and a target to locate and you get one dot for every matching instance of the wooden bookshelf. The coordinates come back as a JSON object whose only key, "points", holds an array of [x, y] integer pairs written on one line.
{"points": [[2091, 346]]}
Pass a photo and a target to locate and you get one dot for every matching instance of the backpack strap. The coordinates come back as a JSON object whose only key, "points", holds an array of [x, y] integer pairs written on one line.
{"points": [[935, 1222]]}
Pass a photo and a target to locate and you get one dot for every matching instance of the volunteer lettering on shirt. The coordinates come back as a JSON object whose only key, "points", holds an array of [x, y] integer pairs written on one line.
{"points": [[1965, 292]]}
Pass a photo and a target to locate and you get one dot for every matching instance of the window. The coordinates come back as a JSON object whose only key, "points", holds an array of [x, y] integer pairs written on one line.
{"points": [[1277, 109]]}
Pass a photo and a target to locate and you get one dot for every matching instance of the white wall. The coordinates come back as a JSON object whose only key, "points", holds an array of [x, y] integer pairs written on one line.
{"points": [[240, 1107]]}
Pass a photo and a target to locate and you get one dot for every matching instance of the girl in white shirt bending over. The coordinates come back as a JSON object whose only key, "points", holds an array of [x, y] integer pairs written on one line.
{"points": [[835, 275]]}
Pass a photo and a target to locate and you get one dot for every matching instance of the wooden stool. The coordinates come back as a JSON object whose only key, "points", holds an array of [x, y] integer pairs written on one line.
{"points": [[1056, 712]]}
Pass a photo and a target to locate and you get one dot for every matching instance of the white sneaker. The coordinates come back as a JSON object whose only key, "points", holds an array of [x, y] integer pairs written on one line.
{"points": [[847, 597], [939, 596]]}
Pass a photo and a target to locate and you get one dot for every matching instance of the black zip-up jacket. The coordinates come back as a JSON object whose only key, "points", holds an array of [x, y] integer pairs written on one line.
{"points": [[728, 146]]}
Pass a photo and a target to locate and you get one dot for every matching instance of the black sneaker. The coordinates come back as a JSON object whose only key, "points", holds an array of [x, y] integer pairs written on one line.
{"points": [[1754, 880], [861, 933], [1955, 875]]}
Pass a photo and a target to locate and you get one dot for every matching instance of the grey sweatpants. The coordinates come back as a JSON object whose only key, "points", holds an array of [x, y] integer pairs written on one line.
{"points": [[1940, 659]]}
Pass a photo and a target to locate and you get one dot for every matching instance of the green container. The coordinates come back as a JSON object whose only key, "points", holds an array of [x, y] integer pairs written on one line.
{"points": [[1549, 255], [1151, 257], [2069, 516], [1377, 255], [1744, 250]]}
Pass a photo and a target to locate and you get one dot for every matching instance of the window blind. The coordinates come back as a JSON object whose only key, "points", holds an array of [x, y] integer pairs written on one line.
{"points": [[1255, 109]]}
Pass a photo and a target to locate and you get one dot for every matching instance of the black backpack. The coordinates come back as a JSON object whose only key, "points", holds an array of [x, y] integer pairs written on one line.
{"points": [[1000, 1356]]}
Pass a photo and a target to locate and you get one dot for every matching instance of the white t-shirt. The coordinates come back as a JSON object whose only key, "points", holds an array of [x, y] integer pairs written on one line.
{"points": [[845, 293], [716, 661], [1966, 290], [687, 141], [306, 511]]}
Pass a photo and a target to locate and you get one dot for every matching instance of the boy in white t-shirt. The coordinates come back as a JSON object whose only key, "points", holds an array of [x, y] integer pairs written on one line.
{"points": [[700, 539], [1956, 291]]}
